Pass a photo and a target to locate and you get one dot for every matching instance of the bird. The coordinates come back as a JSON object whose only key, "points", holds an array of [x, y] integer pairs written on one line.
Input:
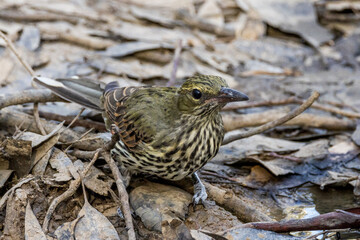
{"points": [[167, 132]]}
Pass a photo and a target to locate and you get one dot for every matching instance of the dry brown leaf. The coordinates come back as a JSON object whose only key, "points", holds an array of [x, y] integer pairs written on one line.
{"points": [[37, 139], [212, 13], [33, 230], [95, 180], [297, 17], [93, 225], [4, 176], [62, 163], [40, 167]]}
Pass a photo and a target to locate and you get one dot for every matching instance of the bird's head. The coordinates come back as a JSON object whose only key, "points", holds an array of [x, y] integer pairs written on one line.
{"points": [[203, 94]]}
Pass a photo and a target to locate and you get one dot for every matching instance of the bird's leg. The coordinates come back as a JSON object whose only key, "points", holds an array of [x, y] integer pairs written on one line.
{"points": [[199, 190], [126, 175]]}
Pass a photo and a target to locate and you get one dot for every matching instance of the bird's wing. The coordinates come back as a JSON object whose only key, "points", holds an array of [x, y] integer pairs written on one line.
{"points": [[131, 129]]}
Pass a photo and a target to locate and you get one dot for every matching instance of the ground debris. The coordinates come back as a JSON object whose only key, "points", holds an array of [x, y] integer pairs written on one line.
{"points": [[274, 51]]}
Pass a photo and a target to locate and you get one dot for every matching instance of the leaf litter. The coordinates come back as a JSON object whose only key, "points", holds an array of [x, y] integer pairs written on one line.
{"points": [[271, 50]]}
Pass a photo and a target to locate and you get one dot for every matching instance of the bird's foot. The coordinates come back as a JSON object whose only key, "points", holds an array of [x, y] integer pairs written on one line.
{"points": [[200, 194]]}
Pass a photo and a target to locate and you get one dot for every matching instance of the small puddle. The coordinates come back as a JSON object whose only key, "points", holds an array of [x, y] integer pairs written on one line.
{"points": [[311, 201]]}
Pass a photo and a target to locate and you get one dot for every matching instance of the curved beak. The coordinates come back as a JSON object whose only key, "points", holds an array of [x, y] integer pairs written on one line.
{"points": [[230, 95]]}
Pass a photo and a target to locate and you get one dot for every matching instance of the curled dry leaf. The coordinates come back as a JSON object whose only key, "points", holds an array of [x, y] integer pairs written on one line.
{"points": [[40, 167], [37, 139]]}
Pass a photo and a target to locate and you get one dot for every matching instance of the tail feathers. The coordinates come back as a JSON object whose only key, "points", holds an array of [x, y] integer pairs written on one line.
{"points": [[82, 91]]}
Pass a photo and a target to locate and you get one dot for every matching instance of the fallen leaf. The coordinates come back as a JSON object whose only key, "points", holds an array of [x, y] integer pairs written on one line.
{"points": [[128, 48], [93, 225], [62, 163], [296, 17], [4, 176], [33, 230], [212, 13], [40, 167], [95, 180]]}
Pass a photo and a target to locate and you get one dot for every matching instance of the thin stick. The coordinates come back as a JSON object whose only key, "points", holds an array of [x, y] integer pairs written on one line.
{"points": [[28, 96], [81, 137], [292, 100], [31, 72], [13, 49], [124, 197], [176, 60], [274, 123], [80, 122], [76, 118], [37, 119]]}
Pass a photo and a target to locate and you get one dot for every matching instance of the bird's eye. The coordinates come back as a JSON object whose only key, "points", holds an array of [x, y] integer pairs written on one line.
{"points": [[196, 94]]}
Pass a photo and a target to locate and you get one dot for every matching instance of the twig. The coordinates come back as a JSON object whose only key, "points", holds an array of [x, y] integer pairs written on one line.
{"points": [[10, 119], [86, 123], [74, 185], [124, 197], [71, 123], [17, 15], [327, 232], [176, 60], [291, 100], [232, 122], [80, 122], [244, 105], [199, 23], [28, 68], [338, 219], [76, 118], [230, 201], [82, 154], [81, 137], [77, 38], [274, 123], [340, 104], [37, 119], [28, 96], [13, 49]]}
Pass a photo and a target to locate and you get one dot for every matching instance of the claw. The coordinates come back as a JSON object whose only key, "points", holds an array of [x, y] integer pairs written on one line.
{"points": [[200, 194]]}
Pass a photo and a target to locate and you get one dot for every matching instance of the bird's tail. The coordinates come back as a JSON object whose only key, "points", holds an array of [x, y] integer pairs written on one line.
{"points": [[83, 91]]}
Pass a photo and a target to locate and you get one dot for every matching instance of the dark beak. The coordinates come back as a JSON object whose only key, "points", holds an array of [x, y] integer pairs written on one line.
{"points": [[230, 95]]}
